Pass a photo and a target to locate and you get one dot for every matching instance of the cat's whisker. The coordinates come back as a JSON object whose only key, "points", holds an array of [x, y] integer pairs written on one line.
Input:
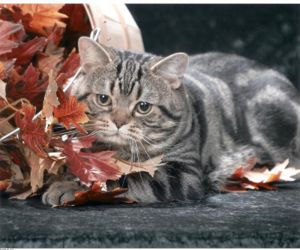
{"points": [[138, 158], [146, 140], [147, 154]]}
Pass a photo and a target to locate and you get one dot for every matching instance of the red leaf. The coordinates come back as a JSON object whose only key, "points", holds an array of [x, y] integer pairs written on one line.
{"points": [[95, 195], [31, 85], [25, 52], [68, 69], [77, 18], [88, 166], [15, 14], [32, 132], [70, 111]]}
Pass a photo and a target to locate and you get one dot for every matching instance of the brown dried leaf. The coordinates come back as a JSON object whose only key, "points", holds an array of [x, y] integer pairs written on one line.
{"points": [[39, 166], [50, 100], [149, 166]]}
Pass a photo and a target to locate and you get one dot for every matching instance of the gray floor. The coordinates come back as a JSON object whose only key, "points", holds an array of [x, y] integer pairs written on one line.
{"points": [[252, 219]]}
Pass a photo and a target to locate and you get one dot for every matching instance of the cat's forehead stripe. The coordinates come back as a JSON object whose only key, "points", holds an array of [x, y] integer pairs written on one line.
{"points": [[128, 76]]}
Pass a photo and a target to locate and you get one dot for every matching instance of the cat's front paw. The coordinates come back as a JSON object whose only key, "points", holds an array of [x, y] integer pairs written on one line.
{"points": [[61, 192]]}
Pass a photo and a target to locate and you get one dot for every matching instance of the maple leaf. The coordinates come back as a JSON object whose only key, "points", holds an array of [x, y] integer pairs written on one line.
{"points": [[7, 30], [95, 195], [68, 69], [32, 132], [249, 177], [39, 166], [25, 51], [89, 166], [43, 17], [31, 85], [100, 166], [70, 111]]}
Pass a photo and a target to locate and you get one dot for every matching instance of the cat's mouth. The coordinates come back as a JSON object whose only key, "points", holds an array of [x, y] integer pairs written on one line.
{"points": [[115, 138]]}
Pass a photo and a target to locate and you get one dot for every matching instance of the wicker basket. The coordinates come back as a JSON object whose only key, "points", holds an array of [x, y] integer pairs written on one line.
{"points": [[118, 28]]}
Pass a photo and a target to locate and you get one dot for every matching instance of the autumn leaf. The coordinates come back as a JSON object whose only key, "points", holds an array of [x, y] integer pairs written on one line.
{"points": [[31, 85], [100, 166], [70, 111], [68, 69], [32, 132], [50, 100], [149, 166], [39, 166], [250, 177], [95, 195], [25, 51], [43, 17], [89, 166]]}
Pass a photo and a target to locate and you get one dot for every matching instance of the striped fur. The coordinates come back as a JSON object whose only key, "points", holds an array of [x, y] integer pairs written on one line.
{"points": [[226, 110]]}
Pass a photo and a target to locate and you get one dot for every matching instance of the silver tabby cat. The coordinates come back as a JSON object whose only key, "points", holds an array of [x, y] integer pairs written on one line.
{"points": [[206, 117]]}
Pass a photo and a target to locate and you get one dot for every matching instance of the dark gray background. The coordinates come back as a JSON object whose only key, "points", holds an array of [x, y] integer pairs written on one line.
{"points": [[266, 33]]}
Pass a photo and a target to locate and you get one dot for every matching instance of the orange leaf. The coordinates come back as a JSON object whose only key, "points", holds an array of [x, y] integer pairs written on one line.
{"points": [[43, 16], [70, 111], [95, 195], [32, 132]]}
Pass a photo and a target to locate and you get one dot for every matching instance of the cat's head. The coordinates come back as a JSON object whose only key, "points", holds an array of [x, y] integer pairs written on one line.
{"points": [[135, 101]]}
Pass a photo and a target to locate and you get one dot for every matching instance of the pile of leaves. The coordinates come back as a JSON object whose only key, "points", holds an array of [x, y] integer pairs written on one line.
{"points": [[36, 60], [37, 57]]}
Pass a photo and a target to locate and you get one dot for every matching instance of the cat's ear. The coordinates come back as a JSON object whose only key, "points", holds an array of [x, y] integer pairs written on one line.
{"points": [[92, 54], [172, 68]]}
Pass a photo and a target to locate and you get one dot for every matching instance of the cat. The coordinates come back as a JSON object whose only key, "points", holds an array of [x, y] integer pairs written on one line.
{"points": [[206, 114]]}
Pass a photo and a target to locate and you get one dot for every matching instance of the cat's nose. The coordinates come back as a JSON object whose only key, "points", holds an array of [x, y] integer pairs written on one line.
{"points": [[119, 123]]}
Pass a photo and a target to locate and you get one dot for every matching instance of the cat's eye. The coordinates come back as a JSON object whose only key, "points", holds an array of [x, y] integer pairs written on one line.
{"points": [[104, 100], [143, 107]]}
